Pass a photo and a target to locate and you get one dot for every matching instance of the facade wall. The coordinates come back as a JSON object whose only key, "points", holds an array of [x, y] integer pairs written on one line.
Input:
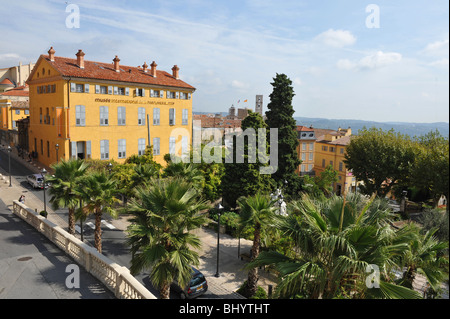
{"points": [[61, 125]]}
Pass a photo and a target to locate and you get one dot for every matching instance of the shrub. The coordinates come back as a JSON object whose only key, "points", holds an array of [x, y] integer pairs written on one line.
{"points": [[260, 292]]}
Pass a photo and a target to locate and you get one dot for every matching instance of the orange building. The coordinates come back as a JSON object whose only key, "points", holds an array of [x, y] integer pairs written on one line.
{"points": [[98, 110]]}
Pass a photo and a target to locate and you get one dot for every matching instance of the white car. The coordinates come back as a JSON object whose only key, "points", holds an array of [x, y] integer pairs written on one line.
{"points": [[36, 180]]}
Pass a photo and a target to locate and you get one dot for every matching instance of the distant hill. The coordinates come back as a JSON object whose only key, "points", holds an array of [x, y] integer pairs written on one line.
{"points": [[411, 129]]}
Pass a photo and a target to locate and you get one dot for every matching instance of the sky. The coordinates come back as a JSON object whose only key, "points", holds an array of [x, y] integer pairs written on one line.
{"points": [[385, 61]]}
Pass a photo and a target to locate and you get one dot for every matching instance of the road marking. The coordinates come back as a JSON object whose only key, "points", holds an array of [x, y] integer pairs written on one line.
{"points": [[110, 226]]}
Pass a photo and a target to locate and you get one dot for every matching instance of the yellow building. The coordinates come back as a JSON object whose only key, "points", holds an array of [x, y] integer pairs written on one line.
{"points": [[10, 113], [305, 150], [330, 149], [98, 110]]}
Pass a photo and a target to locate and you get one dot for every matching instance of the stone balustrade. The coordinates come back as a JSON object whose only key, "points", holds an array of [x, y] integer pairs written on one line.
{"points": [[115, 277]]}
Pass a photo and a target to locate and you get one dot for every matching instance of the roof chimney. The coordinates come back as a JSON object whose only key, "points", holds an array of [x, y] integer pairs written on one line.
{"points": [[175, 72], [51, 54], [153, 69], [80, 59], [116, 64], [145, 66]]}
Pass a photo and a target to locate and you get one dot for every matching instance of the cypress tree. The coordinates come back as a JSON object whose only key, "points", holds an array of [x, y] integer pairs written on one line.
{"points": [[280, 115]]}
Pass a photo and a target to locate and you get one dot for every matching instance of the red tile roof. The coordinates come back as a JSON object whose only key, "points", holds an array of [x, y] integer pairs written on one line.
{"points": [[105, 71], [18, 91], [7, 82], [301, 128]]}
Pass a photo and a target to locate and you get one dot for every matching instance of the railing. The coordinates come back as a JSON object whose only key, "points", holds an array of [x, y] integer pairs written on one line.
{"points": [[115, 277]]}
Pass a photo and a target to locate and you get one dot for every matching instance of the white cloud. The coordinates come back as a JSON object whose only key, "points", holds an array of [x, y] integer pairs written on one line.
{"points": [[440, 63], [239, 85], [336, 38], [297, 81], [438, 48], [373, 61]]}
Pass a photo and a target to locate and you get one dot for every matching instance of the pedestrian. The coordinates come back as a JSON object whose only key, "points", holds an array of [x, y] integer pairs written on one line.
{"points": [[22, 199]]}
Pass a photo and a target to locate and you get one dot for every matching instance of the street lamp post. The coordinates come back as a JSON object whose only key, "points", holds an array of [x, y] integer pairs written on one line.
{"points": [[57, 148], [43, 172], [219, 207], [9, 164], [109, 168]]}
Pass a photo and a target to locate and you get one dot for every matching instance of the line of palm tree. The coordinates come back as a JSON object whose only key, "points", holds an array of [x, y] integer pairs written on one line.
{"points": [[164, 214], [67, 175]]}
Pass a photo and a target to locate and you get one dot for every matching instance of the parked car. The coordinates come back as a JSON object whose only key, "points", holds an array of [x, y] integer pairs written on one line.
{"points": [[36, 181], [196, 287]]}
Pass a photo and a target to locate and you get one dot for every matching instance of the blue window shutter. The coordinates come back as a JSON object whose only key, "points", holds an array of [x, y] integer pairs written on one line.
{"points": [[88, 149], [127, 91], [110, 90], [73, 87], [116, 90], [74, 150], [97, 89], [86, 88]]}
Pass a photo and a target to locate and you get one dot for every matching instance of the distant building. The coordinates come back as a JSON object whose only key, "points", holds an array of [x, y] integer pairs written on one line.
{"points": [[305, 150], [259, 105], [330, 148], [15, 76]]}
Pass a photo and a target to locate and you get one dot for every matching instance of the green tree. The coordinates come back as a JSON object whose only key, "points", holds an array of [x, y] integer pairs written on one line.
{"points": [[335, 243], [98, 194], [245, 179], [322, 184], [160, 237], [380, 159], [189, 171], [431, 168], [257, 211], [280, 116], [64, 181]]}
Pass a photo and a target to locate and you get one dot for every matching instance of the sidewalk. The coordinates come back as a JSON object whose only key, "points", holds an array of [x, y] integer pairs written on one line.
{"points": [[31, 266]]}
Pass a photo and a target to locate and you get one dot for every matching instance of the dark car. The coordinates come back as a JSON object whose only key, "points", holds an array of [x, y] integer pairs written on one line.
{"points": [[196, 287]]}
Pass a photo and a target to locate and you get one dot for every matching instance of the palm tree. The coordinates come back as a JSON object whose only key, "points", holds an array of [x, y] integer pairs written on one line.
{"points": [[424, 256], [185, 170], [335, 245], [97, 192], [164, 214], [64, 181], [257, 211]]}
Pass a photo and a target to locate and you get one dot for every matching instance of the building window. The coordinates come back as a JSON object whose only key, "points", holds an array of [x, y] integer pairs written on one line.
{"points": [[156, 93], [79, 88], [341, 166], [40, 115], [122, 147], [121, 114], [171, 116], [140, 92], [172, 145], [141, 116], [342, 150], [48, 149], [141, 146], [311, 155], [183, 96], [303, 156], [331, 163], [104, 115], [325, 148], [101, 89], [104, 149], [332, 149], [311, 146], [156, 146], [170, 95], [185, 117], [303, 146], [80, 115], [27, 112], [323, 162], [156, 116], [310, 168], [303, 169], [184, 145], [42, 147]]}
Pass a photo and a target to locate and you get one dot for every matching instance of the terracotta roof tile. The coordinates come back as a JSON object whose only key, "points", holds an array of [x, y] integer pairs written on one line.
{"points": [[105, 71], [7, 82]]}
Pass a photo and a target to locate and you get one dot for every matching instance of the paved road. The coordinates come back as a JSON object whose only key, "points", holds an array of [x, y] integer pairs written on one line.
{"points": [[32, 267]]}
